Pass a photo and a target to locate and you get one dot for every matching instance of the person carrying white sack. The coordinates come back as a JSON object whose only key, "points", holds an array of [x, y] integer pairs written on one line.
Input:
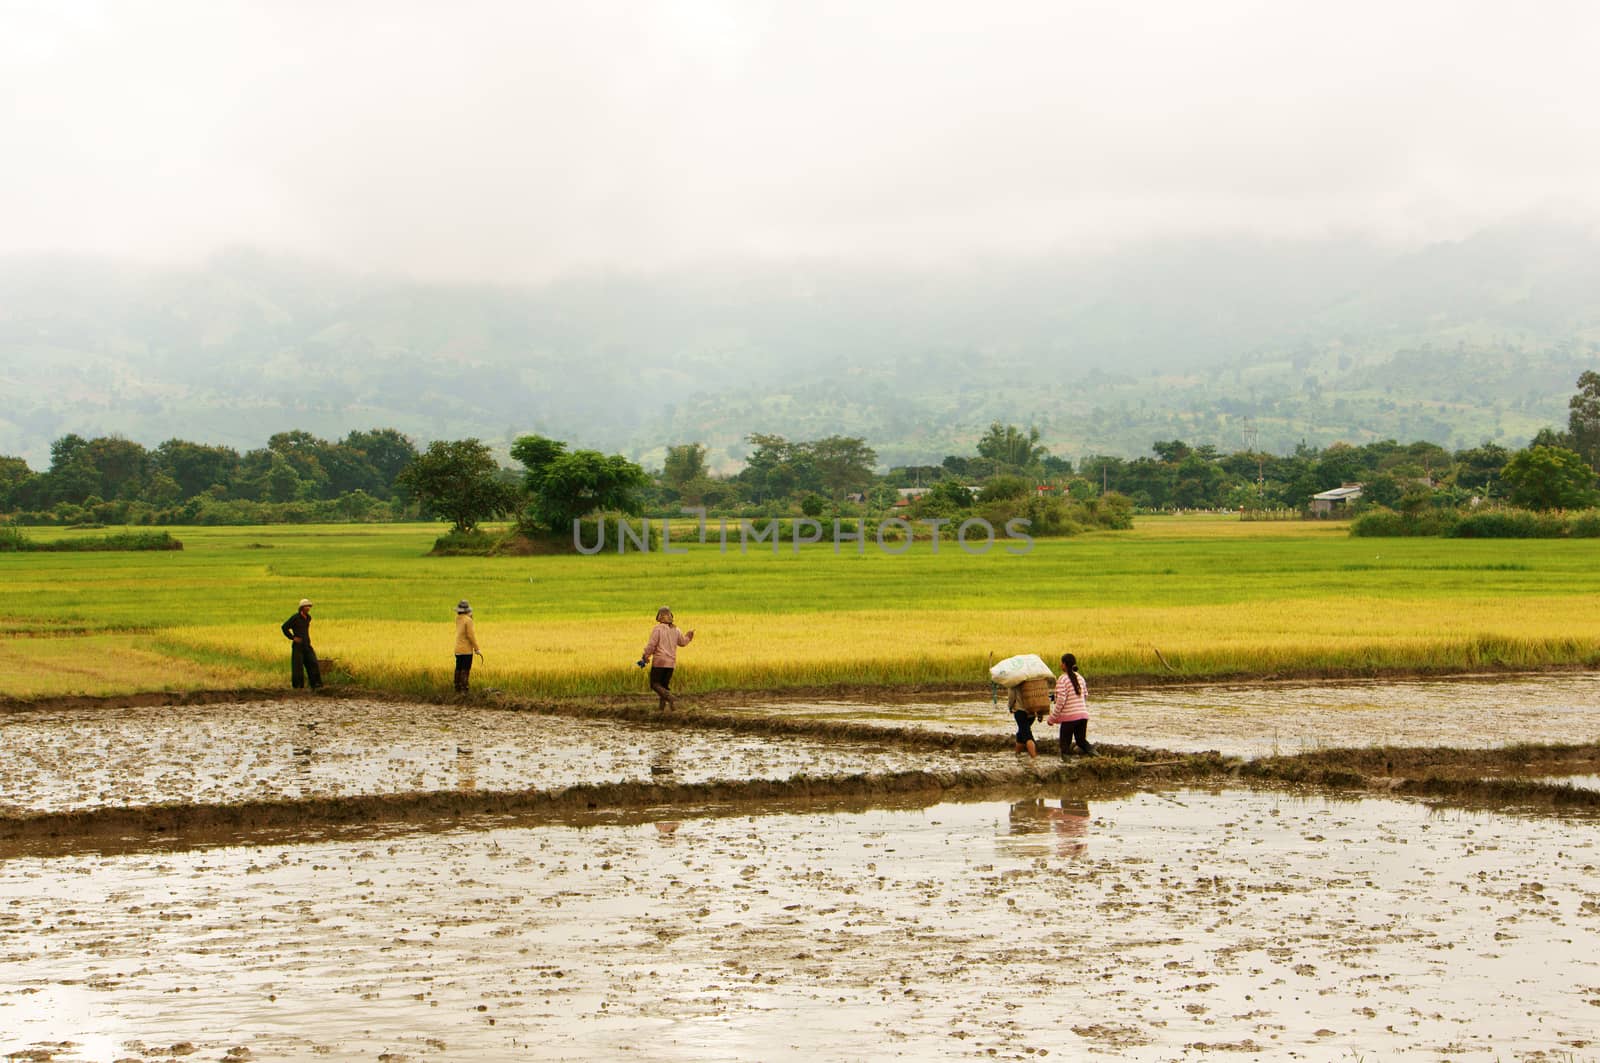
{"points": [[1015, 674]]}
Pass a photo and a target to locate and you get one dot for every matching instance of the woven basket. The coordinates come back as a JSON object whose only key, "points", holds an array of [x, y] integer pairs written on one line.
{"points": [[1033, 695]]}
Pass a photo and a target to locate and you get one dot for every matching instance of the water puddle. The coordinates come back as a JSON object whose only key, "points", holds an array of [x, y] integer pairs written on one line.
{"points": [[1287, 718], [1172, 924]]}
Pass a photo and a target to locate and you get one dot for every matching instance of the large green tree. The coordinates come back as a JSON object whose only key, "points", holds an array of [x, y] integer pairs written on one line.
{"points": [[1008, 445], [458, 480], [194, 467], [72, 476], [563, 486], [773, 470], [14, 479], [1478, 468], [386, 450], [842, 464], [683, 463], [831, 466], [1583, 422], [1549, 478]]}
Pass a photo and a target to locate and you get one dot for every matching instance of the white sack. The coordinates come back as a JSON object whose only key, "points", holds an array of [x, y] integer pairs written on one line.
{"points": [[1013, 670]]}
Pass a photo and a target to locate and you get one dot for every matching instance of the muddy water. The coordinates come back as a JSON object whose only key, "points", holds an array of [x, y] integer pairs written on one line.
{"points": [[1168, 925], [55, 761], [1472, 712]]}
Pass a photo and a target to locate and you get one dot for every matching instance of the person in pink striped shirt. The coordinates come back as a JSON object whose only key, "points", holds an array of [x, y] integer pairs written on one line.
{"points": [[1070, 708]]}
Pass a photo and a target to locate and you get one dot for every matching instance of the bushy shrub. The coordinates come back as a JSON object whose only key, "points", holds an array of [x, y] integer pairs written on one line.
{"points": [[1050, 516], [1386, 523], [140, 540], [1510, 524], [456, 543], [1586, 525], [1002, 488], [945, 499], [1485, 524], [1112, 510]]}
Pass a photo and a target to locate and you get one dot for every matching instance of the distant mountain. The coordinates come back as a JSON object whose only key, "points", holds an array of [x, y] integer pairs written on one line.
{"points": [[1230, 342]]}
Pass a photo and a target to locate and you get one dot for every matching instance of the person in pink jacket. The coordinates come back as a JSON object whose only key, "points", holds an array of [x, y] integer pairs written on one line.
{"points": [[1070, 708], [661, 652]]}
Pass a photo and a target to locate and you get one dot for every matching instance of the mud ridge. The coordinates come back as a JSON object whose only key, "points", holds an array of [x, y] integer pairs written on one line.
{"points": [[912, 738], [155, 698], [1347, 766], [1454, 775], [636, 705], [1501, 793], [198, 823]]}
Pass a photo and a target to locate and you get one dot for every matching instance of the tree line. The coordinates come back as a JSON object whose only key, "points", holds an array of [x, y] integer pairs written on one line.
{"points": [[379, 474], [111, 480]]}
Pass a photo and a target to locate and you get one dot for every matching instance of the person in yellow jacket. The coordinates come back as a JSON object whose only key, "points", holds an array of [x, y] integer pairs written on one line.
{"points": [[466, 645]]}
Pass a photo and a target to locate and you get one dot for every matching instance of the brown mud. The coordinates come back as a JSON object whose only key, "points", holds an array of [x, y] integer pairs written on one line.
{"points": [[1172, 923], [846, 692], [307, 877], [181, 825]]}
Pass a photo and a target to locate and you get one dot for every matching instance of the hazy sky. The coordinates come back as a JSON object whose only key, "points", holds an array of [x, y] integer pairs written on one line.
{"points": [[520, 140]]}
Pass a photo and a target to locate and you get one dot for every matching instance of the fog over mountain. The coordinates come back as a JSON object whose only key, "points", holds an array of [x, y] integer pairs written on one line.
{"points": [[631, 224], [1236, 342]]}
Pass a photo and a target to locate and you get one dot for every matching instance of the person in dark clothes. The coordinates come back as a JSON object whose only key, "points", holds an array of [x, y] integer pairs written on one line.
{"points": [[302, 658], [1024, 718]]}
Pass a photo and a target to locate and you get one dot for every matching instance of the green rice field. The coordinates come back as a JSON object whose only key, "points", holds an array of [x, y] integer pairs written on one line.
{"points": [[1179, 598]]}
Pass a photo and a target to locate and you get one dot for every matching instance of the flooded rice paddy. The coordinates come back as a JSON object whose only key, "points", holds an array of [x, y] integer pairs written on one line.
{"points": [[1036, 919], [1262, 720], [68, 760], [1158, 926]]}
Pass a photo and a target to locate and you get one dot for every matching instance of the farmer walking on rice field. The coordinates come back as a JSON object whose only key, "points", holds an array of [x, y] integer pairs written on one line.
{"points": [[661, 652], [1071, 708]]}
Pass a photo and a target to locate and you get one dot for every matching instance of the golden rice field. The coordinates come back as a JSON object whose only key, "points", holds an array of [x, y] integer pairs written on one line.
{"points": [[1175, 597], [881, 648]]}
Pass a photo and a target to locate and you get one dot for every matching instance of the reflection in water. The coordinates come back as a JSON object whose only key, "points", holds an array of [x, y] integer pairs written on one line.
{"points": [[667, 830], [1265, 927], [661, 762], [302, 753], [1066, 820], [466, 770]]}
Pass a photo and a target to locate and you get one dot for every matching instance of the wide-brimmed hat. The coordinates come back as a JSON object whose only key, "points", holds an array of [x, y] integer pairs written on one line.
{"points": [[304, 602], [463, 607]]}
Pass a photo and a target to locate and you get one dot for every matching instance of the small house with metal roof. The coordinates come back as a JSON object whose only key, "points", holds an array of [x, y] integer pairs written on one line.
{"points": [[1327, 503]]}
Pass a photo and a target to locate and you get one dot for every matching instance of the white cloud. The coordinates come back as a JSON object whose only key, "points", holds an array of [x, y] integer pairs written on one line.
{"points": [[514, 141]]}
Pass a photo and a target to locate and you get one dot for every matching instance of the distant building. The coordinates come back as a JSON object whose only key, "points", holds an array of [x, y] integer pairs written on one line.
{"points": [[910, 494], [1327, 503]]}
